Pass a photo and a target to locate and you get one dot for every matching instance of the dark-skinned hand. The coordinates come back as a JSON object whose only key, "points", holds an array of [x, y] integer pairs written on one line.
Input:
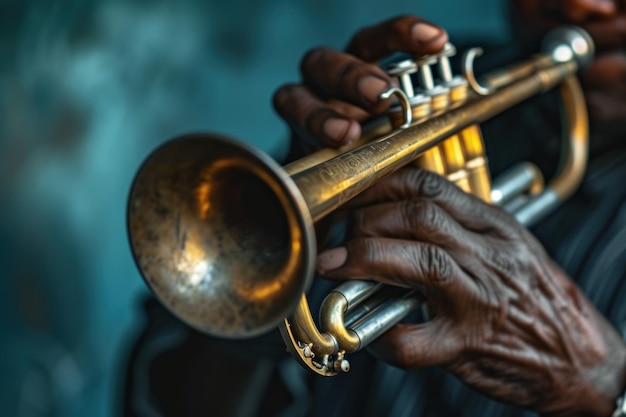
{"points": [[605, 20], [506, 318], [339, 90]]}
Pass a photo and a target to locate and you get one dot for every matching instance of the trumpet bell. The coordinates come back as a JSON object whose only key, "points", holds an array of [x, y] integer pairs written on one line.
{"points": [[221, 234], [224, 236]]}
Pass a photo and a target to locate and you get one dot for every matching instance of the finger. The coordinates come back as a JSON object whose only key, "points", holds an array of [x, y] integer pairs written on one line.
{"points": [[349, 110], [333, 74], [608, 71], [580, 11], [420, 220], [314, 120], [533, 19], [471, 212], [609, 34], [605, 87], [396, 262], [405, 34], [416, 345]]}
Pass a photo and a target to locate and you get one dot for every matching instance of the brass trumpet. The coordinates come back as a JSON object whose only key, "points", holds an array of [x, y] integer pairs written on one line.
{"points": [[224, 236]]}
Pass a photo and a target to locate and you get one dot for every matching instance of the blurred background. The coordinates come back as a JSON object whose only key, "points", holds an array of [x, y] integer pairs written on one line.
{"points": [[87, 90]]}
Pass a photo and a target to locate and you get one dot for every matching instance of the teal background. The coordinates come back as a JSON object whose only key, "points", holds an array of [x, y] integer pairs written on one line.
{"points": [[87, 89]]}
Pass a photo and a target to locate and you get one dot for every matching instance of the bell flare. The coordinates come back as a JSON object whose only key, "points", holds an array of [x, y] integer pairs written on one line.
{"points": [[221, 234]]}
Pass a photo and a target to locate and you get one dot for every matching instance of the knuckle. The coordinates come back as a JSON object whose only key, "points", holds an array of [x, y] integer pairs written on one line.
{"points": [[423, 214], [425, 183], [431, 264], [504, 263], [283, 96], [312, 58], [397, 26], [350, 73], [436, 264], [432, 185], [313, 118], [514, 264]]}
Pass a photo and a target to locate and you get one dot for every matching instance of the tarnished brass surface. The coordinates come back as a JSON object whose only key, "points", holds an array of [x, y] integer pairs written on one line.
{"points": [[575, 160], [225, 239], [476, 164], [221, 235], [304, 354], [433, 158], [420, 112], [452, 148], [305, 342], [332, 314], [336, 181]]}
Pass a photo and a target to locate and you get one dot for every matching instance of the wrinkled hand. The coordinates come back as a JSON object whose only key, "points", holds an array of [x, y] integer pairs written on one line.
{"points": [[340, 89], [605, 20], [507, 320], [601, 18]]}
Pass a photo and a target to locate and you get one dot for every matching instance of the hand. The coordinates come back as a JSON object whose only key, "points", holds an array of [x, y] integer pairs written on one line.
{"points": [[506, 318], [340, 89], [605, 20]]}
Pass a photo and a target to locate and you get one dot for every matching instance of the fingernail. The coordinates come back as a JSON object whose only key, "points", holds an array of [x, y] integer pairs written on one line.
{"points": [[331, 259], [425, 33], [371, 87], [336, 128]]}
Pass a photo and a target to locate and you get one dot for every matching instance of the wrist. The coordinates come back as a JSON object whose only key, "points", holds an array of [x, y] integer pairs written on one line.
{"points": [[595, 391], [609, 385]]}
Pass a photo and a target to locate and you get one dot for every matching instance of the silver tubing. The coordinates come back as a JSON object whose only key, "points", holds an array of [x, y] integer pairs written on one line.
{"points": [[384, 317], [355, 291], [513, 182], [537, 207]]}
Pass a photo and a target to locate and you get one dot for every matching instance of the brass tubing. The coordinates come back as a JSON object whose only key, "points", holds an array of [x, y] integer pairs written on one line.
{"points": [[302, 324], [334, 182], [433, 159], [476, 165], [374, 129], [452, 148], [574, 159], [382, 126], [515, 72], [332, 321], [233, 272], [524, 177], [392, 310]]}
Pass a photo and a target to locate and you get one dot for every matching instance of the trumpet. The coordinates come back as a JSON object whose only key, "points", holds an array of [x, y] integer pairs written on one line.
{"points": [[224, 236]]}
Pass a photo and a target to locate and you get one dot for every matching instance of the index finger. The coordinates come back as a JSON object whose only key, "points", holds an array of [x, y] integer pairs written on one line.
{"points": [[411, 183], [409, 34]]}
